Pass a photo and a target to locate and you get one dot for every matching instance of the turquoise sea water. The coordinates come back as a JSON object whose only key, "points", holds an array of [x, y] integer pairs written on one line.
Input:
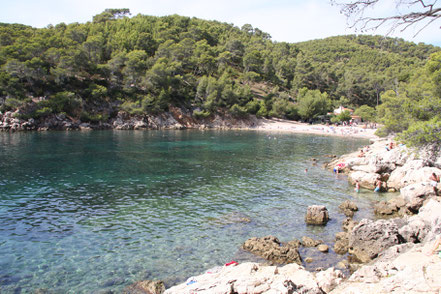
{"points": [[89, 212]]}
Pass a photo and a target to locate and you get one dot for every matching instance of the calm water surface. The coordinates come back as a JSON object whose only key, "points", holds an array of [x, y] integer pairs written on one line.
{"points": [[86, 212]]}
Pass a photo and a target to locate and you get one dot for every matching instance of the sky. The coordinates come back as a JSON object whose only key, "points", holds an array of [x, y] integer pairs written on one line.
{"points": [[285, 20]]}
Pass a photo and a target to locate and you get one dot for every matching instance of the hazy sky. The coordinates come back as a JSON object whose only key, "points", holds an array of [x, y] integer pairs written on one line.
{"points": [[284, 20]]}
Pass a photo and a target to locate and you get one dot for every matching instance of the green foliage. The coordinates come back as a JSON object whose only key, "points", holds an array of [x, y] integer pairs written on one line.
{"points": [[93, 117], [263, 111], [312, 103], [132, 107], [253, 106], [344, 116], [11, 104], [366, 113], [63, 102], [110, 14], [201, 114], [423, 132], [282, 108], [158, 62], [238, 111], [43, 112], [394, 112]]}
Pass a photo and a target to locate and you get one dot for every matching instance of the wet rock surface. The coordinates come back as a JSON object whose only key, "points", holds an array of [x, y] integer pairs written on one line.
{"points": [[271, 249], [309, 242]]}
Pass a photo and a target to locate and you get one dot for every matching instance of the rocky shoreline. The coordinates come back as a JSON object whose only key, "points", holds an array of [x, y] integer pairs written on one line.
{"points": [[175, 119], [386, 255]]}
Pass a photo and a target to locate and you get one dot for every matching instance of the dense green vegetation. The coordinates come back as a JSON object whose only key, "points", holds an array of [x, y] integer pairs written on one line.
{"points": [[145, 64]]}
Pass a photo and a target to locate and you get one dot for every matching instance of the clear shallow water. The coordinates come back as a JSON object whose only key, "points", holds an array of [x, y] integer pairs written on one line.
{"points": [[84, 212]]}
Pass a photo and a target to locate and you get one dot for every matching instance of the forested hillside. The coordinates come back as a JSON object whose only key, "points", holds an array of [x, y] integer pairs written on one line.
{"points": [[145, 64]]}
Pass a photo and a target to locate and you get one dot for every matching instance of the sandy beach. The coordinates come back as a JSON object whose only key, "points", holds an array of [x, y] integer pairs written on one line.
{"points": [[319, 129]]}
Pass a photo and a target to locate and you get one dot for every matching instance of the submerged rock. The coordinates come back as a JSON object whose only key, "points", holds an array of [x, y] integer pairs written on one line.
{"points": [[348, 207], [293, 243], [309, 242], [323, 248], [317, 215]]}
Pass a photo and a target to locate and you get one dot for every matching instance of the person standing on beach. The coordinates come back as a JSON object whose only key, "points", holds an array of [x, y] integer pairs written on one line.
{"points": [[434, 179]]}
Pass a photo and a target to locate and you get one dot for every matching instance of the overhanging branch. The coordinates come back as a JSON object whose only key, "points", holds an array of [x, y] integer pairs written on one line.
{"points": [[423, 12]]}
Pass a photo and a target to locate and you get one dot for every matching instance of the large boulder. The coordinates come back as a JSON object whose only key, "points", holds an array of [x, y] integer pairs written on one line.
{"points": [[317, 215], [145, 287], [271, 249], [430, 213], [415, 194], [393, 206], [415, 231], [366, 180], [369, 238], [419, 175], [396, 177], [387, 161]]}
